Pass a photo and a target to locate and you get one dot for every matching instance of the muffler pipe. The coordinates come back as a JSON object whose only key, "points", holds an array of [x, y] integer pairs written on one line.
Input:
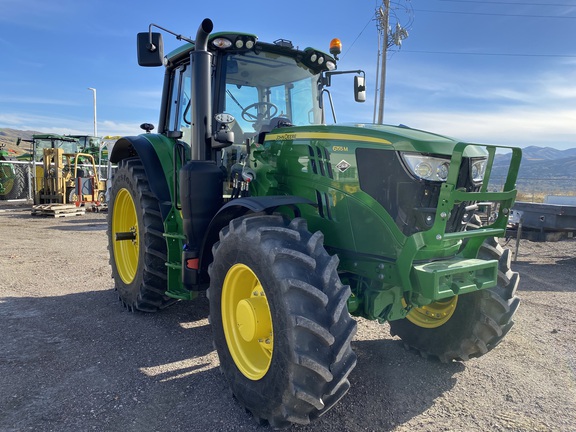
{"points": [[201, 42], [201, 95]]}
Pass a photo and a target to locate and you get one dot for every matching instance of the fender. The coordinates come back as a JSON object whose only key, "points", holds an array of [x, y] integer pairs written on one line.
{"points": [[139, 146], [239, 207]]}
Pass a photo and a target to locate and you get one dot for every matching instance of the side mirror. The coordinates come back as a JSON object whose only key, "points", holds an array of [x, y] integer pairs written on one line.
{"points": [[150, 49], [359, 88], [18, 141], [223, 138]]}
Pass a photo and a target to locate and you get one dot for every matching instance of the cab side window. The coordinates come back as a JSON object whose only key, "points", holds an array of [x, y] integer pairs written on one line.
{"points": [[179, 110]]}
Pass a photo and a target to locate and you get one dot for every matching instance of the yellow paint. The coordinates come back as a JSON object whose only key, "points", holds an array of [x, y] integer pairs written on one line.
{"points": [[325, 136], [433, 315], [247, 322], [126, 252]]}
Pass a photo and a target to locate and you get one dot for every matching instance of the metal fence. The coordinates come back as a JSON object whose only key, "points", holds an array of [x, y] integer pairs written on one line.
{"points": [[535, 189], [17, 178], [16, 182]]}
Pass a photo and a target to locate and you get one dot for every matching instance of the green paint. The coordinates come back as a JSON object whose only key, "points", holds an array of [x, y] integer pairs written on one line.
{"points": [[304, 161], [395, 255]]}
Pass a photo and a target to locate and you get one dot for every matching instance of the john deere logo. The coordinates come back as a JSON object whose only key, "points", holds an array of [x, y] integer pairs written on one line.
{"points": [[343, 165]]}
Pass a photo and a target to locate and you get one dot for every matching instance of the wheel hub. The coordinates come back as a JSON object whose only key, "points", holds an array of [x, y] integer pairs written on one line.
{"points": [[247, 322], [253, 319], [125, 234], [433, 315]]}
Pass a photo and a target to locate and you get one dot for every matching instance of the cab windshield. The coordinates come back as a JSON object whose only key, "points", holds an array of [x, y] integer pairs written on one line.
{"points": [[69, 146], [260, 87]]}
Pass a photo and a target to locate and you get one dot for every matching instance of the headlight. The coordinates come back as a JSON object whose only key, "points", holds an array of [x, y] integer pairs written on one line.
{"points": [[427, 167], [477, 170]]}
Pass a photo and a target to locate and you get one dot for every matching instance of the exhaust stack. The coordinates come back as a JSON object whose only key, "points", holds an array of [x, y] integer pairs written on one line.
{"points": [[201, 94]]}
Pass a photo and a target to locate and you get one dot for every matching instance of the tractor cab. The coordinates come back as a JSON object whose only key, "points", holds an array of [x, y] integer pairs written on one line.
{"points": [[242, 89], [46, 141], [252, 87]]}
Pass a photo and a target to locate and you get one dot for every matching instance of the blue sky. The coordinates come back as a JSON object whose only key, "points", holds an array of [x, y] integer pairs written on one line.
{"points": [[502, 72]]}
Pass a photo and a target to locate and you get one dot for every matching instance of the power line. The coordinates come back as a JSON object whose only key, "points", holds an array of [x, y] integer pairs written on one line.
{"points": [[490, 54], [357, 37], [496, 14], [509, 3]]}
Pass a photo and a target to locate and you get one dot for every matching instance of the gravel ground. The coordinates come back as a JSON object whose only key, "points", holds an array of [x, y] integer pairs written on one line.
{"points": [[72, 359]]}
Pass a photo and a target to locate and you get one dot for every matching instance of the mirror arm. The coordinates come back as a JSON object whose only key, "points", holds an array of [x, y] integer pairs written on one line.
{"points": [[327, 76], [152, 47]]}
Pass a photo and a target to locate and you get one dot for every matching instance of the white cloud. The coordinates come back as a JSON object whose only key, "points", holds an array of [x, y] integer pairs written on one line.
{"points": [[521, 127], [532, 109], [108, 127], [37, 101], [525, 108], [64, 126]]}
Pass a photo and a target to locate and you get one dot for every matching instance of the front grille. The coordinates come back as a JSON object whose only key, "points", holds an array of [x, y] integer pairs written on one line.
{"points": [[410, 202]]}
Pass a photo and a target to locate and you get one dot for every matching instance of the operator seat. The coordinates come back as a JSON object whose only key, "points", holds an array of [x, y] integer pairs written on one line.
{"points": [[275, 123]]}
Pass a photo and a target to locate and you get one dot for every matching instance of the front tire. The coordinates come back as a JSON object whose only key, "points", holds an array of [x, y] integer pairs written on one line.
{"points": [[468, 325], [279, 318], [136, 245]]}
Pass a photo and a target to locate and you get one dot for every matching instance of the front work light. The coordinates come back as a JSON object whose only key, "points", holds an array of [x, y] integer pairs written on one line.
{"points": [[427, 167], [477, 170]]}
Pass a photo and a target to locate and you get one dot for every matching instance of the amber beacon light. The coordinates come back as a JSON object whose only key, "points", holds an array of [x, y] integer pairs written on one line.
{"points": [[335, 47]]}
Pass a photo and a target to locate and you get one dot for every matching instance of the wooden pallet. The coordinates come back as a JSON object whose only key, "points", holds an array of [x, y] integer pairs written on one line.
{"points": [[57, 210]]}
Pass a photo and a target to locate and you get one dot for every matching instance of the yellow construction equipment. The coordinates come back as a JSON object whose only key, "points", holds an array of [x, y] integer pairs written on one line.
{"points": [[68, 178]]}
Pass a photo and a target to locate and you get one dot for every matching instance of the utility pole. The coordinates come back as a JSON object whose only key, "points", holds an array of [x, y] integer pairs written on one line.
{"points": [[382, 17], [94, 100], [386, 39], [376, 89]]}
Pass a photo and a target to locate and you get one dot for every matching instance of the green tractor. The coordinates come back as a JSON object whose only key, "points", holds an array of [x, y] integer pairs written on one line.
{"points": [[13, 177], [291, 225], [94, 146]]}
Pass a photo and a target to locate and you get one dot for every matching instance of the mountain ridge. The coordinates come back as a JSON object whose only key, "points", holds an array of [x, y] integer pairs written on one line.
{"points": [[543, 169]]}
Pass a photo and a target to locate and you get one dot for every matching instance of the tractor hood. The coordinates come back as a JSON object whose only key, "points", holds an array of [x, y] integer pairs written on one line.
{"points": [[401, 138], [404, 138]]}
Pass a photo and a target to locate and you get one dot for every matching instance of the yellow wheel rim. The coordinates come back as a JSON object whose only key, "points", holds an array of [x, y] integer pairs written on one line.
{"points": [[124, 220], [433, 315], [247, 322]]}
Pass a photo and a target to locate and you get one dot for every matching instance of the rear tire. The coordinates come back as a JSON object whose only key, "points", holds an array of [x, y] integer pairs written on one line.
{"points": [[14, 180], [138, 264], [478, 323], [279, 318]]}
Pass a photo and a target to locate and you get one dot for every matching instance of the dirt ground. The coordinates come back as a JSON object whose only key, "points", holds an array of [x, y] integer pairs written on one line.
{"points": [[72, 359]]}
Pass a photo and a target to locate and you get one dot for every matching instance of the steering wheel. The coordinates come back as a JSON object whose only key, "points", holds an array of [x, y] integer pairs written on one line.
{"points": [[269, 110]]}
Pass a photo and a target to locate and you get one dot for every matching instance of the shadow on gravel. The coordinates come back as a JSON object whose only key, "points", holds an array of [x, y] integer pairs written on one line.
{"points": [[87, 222], [547, 277], [81, 362], [82, 223], [389, 386]]}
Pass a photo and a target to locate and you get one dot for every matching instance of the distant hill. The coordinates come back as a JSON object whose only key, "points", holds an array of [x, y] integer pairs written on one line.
{"points": [[543, 169], [534, 153], [10, 136]]}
